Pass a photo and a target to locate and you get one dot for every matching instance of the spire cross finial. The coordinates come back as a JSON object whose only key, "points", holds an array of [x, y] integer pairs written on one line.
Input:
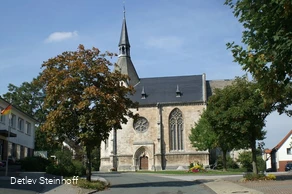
{"points": [[124, 9]]}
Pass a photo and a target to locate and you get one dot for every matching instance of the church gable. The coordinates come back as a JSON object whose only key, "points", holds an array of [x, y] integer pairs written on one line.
{"points": [[176, 89]]}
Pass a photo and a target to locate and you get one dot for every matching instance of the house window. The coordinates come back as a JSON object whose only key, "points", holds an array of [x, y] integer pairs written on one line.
{"points": [[289, 151], [20, 124], [13, 121], [28, 128], [2, 117], [176, 130]]}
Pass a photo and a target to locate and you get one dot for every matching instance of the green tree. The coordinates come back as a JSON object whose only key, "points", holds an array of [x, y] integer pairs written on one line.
{"points": [[203, 137], [267, 53], [29, 97], [237, 115], [86, 100], [245, 159]]}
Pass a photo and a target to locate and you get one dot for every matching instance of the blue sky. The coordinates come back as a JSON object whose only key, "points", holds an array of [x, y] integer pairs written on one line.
{"points": [[167, 38]]}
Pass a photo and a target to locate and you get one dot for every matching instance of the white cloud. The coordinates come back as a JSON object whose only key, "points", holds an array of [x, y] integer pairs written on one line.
{"points": [[60, 36], [168, 43]]}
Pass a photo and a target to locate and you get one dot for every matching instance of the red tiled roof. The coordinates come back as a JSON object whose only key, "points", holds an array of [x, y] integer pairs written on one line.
{"points": [[267, 151], [283, 141]]}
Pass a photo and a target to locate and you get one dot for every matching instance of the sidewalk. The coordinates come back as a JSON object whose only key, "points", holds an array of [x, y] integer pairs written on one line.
{"points": [[230, 184], [282, 185], [218, 184]]}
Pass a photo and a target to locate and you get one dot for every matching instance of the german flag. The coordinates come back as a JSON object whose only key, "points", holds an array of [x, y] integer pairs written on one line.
{"points": [[7, 110]]}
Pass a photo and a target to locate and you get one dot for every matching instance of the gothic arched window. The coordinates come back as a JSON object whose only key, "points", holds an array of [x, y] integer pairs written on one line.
{"points": [[176, 130]]}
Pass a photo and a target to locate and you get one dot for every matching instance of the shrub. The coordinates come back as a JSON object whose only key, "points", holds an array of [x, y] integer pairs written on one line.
{"points": [[97, 185], [61, 170], [257, 177], [66, 166], [271, 177], [191, 165], [254, 177], [230, 163], [79, 168], [64, 157], [245, 159], [34, 163]]}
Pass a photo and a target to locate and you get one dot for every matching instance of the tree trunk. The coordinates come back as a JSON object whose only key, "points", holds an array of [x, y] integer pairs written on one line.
{"points": [[224, 160], [88, 163], [254, 157]]}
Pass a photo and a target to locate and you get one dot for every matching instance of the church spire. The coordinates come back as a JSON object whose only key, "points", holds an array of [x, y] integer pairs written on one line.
{"points": [[124, 64], [124, 44]]}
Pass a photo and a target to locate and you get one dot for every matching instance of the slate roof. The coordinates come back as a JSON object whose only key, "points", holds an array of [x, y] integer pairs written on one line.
{"points": [[124, 38], [126, 67], [163, 90], [212, 84]]}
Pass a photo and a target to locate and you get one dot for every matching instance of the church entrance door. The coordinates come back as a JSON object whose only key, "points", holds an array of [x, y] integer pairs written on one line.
{"points": [[144, 163]]}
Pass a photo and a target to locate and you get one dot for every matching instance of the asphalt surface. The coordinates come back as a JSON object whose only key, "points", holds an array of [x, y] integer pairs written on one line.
{"points": [[128, 183], [136, 183]]}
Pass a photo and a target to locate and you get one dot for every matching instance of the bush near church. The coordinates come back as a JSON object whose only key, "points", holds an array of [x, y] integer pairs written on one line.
{"points": [[65, 165], [230, 163], [245, 159]]}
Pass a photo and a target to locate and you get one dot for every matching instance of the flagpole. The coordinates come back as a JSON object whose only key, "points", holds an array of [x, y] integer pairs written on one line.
{"points": [[8, 140]]}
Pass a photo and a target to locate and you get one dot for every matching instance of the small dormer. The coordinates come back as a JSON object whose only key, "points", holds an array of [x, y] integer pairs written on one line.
{"points": [[143, 93], [178, 92]]}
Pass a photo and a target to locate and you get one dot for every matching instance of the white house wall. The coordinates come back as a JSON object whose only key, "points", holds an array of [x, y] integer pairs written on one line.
{"points": [[24, 142], [22, 138], [283, 156]]}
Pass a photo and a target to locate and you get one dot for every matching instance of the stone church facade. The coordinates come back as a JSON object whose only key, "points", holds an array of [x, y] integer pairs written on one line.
{"points": [[168, 109]]}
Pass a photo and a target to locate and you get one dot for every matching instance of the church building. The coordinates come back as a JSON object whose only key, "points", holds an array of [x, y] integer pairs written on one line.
{"points": [[168, 109]]}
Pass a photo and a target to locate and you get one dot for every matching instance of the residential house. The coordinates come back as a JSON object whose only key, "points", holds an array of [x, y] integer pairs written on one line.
{"points": [[280, 155], [17, 133]]}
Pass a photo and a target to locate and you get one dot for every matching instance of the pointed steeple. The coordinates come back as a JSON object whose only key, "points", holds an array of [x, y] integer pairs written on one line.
{"points": [[124, 44], [124, 64]]}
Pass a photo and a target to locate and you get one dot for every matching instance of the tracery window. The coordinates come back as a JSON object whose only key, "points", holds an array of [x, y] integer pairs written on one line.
{"points": [[141, 124], [176, 130]]}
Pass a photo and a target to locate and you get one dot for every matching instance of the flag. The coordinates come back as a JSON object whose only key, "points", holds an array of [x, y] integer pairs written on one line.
{"points": [[7, 110]]}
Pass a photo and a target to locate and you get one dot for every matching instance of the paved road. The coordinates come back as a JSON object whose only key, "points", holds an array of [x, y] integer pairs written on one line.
{"points": [[129, 183]]}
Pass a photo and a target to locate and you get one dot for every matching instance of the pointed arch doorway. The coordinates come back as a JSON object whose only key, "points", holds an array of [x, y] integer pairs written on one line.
{"points": [[142, 158]]}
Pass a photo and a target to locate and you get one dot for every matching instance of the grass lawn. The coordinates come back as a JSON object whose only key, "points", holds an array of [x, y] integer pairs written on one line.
{"points": [[208, 172]]}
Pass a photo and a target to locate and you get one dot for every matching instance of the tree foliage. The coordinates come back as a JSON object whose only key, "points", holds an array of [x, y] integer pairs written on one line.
{"points": [[29, 97], [245, 160], [86, 100], [236, 115], [268, 38], [202, 136]]}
